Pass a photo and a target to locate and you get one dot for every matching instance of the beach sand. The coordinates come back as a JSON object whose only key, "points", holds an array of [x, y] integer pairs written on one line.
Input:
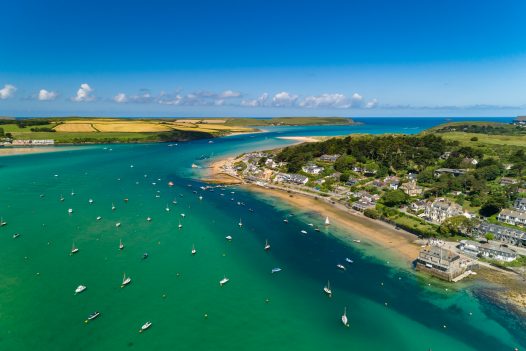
{"points": [[301, 139], [384, 235], [398, 242], [8, 151]]}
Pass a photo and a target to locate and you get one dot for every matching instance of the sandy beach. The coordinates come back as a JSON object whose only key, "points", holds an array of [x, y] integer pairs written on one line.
{"points": [[384, 235], [9, 151], [301, 139]]}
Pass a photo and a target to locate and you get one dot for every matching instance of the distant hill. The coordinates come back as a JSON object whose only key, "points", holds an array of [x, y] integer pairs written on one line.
{"points": [[290, 121]]}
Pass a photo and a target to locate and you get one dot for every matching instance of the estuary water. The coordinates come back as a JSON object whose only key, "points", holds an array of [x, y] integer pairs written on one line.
{"points": [[389, 308]]}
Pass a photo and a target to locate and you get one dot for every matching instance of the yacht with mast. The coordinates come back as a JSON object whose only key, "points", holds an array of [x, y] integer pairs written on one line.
{"points": [[125, 280], [327, 289]]}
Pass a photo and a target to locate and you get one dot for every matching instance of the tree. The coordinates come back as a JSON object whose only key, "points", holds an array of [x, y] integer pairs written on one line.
{"points": [[1, 132], [489, 236], [394, 198], [493, 205], [371, 213], [458, 225], [474, 139]]}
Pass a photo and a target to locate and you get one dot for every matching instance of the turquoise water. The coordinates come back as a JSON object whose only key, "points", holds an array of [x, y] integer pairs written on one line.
{"points": [[174, 290]]}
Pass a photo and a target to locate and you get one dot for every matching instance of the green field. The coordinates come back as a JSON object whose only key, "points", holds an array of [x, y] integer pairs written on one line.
{"points": [[485, 139], [289, 121]]}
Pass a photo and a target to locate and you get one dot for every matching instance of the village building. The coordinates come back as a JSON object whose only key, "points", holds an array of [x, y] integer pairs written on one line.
{"points": [[329, 158], [411, 188], [34, 142], [441, 263], [441, 209], [453, 171], [520, 204], [363, 204], [291, 178], [312, 169], [502, 233], [508, 181], [488, 250], [515, 217]]}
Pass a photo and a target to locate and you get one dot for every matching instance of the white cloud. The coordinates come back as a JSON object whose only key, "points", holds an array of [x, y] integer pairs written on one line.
{"points": [[46, 95], [84, 93], [120, 98], [326, 100], [371, 104], [356, 100], [284, 99], [229, 94], [260, 101], [7, 91]]}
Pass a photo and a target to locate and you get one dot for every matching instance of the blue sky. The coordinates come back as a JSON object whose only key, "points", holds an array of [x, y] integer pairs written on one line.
{"points": [[263, 58]]}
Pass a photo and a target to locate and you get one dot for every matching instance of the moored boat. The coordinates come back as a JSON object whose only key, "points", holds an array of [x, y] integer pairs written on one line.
{"points": [[327, 289], [125, 280], [145, 326], [74, 249], [92, 316], [276, 270], [80, 289], [224, 281], [267, 245], [345, 321]]}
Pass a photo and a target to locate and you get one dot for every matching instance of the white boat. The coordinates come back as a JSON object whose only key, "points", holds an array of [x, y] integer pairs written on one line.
{"points": [[118, 224], [276, 270], [286, 220], [200, 198], [194, 165], [90, 201], [349, 260], [72, 193], [228, 237], [345, 321], [92, 316], [310, 225], [113, 206], [125, 280], [240, 223], [149, 219], [183, 215], [74, 249], [121, 245], [174, 202], [356, 240], [223, 281], [194, 251], [340, 266], [327, 220], [16, 235], [327, 289], [61, 197], [99, 218], [303, 232], [70, 210], [180, 225], [80, 289], [145, 326], [2, 222], [267, 245], [167, 208]]}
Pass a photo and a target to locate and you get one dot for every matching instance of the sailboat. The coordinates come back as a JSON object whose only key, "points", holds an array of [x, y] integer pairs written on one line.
{"points": [[327, 220], [193, 250], [228, 237], [345, 321], [125, 281], [327, 289], [72, 193], [240, 223], [180, 225], [167, 208], [61, 197], [113, 206], [223, 281], [90, 201], [121, 245], [2, 222], [80, 289], [267, 245], [74, 249]]}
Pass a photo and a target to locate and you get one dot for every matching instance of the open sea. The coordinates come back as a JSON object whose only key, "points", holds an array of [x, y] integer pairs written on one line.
{"points": [[388, 306]]}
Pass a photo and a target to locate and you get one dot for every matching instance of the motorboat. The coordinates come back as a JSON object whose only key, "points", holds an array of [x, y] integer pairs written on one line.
{"points": [[145, 326], [80, 289], [224, 281], [341, 266], [276, 270]]}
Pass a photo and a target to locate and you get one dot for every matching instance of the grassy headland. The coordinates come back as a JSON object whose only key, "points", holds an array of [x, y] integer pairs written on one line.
{"points": [[78, 130]]}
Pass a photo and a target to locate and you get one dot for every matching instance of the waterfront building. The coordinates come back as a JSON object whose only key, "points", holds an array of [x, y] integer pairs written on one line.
{"points": [[411, 188], [515, 217], [441, 263], [488, 250], [441, 209], [520, 204]]}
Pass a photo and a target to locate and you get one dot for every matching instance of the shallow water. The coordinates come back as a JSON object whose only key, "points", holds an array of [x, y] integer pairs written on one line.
{"points": [[174, 290]]}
